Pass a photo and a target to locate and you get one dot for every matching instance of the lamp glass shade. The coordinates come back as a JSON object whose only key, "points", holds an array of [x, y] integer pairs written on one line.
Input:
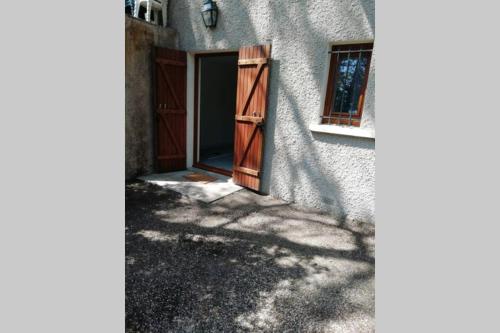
{"points": [[209, 14]]}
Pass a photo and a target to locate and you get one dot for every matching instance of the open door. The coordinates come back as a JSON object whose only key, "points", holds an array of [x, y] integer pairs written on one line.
{"points": [[170, 108], [251, 107]]}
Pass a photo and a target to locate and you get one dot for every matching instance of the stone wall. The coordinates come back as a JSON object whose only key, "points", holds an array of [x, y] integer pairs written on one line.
{"points": [[140, 37]]}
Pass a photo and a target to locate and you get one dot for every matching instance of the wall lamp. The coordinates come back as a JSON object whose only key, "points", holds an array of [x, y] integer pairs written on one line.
{"points": [[209, 13]]}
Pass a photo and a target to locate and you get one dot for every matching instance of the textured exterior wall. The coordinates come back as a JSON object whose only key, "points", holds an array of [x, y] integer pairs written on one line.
{"points": [[140, 37], [330, 172]]}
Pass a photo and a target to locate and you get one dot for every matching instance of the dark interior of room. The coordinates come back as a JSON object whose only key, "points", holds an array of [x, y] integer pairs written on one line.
{"points": [[218, 76]]}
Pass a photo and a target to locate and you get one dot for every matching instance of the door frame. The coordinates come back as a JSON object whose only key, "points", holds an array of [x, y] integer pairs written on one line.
{"points": [[196, 109]]}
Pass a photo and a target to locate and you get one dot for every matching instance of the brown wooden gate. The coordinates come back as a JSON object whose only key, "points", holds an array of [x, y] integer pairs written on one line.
{"points": [[170, 108], [251, 106]]}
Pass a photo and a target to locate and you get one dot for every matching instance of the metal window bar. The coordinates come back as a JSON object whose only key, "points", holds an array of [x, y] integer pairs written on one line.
{"points": [[339, 117], [334, 91], [349, 51], [353, 82], [344, 86]]}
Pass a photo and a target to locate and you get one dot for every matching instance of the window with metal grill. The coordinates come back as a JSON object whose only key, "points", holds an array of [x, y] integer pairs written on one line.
{"points": [[347, 79]]}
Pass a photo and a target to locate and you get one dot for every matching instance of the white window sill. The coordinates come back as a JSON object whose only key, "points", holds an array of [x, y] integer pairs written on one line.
{"points": [[343, 130]]}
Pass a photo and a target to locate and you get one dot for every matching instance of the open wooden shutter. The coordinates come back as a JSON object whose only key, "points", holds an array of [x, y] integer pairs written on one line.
{"points": [[251, 106], [170, 108]]}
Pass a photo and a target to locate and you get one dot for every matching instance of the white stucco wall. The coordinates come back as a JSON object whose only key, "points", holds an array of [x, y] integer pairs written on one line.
{"points": [[326, 171]]}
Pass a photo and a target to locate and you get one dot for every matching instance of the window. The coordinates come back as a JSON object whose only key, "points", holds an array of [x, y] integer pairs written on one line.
{"points": [[347, 79]]}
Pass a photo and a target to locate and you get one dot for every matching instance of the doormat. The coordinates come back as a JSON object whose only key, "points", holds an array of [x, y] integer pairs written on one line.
{"points": [[199, 177], [206, 191]]}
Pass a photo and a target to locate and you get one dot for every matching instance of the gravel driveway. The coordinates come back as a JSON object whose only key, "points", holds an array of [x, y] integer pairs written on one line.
{"points": [[244, 263]]}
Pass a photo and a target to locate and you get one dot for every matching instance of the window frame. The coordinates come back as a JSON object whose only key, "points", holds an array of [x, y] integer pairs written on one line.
{"points": [[341, 118]]}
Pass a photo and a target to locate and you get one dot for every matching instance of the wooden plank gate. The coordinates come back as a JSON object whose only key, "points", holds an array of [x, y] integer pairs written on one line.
{"points": [[251, 107], [169, 77]]}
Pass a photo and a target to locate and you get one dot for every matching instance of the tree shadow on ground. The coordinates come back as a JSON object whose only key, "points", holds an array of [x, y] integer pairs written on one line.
{"points": [[185, 276]]}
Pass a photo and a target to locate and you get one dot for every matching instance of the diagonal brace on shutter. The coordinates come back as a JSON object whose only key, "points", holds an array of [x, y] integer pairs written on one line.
{"points": [[169, 131], [170, 86], [247, 145], [260, 66]]}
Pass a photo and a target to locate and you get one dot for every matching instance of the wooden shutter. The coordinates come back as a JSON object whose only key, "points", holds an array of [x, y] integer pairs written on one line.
{"points": [[170, 108], [251, 106]]}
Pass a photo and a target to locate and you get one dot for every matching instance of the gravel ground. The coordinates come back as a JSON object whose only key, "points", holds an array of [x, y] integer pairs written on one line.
{"points": [[244, 263]]}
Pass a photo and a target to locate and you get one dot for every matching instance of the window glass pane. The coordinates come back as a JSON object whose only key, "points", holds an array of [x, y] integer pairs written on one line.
{"points": [[350, 74]]}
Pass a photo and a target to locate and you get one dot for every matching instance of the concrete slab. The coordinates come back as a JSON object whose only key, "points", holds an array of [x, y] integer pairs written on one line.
{"points": [[206, 192]]}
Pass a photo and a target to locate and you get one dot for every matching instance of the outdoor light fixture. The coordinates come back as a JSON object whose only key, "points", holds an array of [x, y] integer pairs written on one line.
{"points": [[209, 13]]}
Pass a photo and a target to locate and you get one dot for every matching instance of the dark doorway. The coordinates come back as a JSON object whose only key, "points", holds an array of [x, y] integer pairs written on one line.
{"points": [[217, 77]]}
